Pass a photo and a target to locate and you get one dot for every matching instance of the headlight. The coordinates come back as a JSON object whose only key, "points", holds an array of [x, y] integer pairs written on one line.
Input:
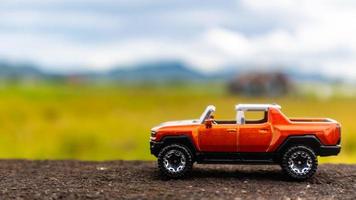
{"points": [[153, 133]]}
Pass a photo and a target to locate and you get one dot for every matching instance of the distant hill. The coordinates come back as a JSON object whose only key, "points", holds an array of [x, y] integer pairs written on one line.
{"points": [[305, 77], [158, 71], [163, 70], [149, 71], [19, 71]]}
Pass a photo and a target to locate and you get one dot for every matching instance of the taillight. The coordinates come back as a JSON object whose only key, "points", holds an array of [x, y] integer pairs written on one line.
{"points": [[338, 128]]}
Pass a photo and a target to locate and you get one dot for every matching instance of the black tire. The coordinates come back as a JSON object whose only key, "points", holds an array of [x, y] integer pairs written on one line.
{"points": [[299, 162], [171, 169]]}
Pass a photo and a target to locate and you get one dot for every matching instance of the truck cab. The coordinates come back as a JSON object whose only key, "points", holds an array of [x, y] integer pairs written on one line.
{"points": [[239, 135]]}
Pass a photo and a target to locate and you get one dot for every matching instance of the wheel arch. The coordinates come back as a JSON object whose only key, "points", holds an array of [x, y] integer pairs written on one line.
{"points": [[303, 140], [180, 139]]}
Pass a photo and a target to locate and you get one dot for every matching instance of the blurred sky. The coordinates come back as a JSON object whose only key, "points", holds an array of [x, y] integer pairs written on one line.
{"points": [[209, 35]]}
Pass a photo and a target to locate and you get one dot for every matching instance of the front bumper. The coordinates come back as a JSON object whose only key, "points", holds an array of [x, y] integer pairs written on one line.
{"points": [[329, 150], [155, 147]]}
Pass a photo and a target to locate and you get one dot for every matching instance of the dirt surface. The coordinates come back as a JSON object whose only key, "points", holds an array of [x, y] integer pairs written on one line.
{"points": [[140, 180]]}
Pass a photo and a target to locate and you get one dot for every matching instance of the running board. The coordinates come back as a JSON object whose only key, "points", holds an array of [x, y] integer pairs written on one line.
{"points": [[236, 158], [213, 161]]}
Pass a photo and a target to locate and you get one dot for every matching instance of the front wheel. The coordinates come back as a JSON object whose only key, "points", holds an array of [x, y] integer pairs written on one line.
{"points": [[299, 162], [175, 161]]}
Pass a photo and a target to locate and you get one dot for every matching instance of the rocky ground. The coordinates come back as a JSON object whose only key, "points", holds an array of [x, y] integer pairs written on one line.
{"points": [[20, 179]]}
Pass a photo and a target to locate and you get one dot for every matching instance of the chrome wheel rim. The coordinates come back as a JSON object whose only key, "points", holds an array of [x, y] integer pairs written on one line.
{"points": [[300, 162], [174, 161]]}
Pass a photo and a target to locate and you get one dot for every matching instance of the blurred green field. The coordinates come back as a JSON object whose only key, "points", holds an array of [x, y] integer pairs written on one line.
{"points": [[101, 122]]}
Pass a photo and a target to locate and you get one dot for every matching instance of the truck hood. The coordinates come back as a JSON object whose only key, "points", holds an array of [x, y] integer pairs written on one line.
{"points": [[176, 123]]}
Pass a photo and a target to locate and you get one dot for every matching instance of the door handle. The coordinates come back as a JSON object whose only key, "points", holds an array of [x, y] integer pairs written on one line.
{"points": [[232, 130], [263, 130]]}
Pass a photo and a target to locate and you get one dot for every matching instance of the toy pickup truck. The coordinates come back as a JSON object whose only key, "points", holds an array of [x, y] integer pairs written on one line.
{"points": [[294, 144]]}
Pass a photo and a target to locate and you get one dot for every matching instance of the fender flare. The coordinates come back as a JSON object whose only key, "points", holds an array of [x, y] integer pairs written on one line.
{"points": [[309, 140], [180, 139]]}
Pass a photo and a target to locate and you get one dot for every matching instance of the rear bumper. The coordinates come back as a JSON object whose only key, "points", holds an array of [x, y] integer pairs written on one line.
{"points": [[155, 147], [329, 150]]}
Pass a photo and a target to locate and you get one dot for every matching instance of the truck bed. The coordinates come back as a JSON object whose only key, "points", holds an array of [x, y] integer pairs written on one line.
{"points": [[312, 120]]}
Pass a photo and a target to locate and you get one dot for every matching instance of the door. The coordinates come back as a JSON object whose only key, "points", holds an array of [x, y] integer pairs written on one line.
{"points": [[254, 137], [218, 138]]}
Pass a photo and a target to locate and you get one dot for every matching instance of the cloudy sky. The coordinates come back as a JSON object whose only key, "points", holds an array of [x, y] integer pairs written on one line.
{"points": [[66, 35]]}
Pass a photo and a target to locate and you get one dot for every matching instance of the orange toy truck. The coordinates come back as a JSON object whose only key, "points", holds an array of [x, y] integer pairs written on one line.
{"points": [[294, 144]]}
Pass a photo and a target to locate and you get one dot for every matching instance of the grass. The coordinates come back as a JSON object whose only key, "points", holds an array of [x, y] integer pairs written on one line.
{"points": [[107, 122]]}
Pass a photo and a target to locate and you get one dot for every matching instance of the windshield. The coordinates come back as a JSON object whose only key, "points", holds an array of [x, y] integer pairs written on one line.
{"points": [[208, 111]]}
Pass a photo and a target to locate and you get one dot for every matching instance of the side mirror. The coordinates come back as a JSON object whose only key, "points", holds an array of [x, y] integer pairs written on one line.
{"points": [[208, 123], [243, 121]]}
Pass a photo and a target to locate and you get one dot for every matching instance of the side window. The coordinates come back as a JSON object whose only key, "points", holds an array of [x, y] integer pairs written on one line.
{"points": [[256, 117]]}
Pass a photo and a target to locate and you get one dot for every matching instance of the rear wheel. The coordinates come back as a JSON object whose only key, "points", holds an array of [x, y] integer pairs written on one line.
{"points": [[175, 161], [299, 162]]}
